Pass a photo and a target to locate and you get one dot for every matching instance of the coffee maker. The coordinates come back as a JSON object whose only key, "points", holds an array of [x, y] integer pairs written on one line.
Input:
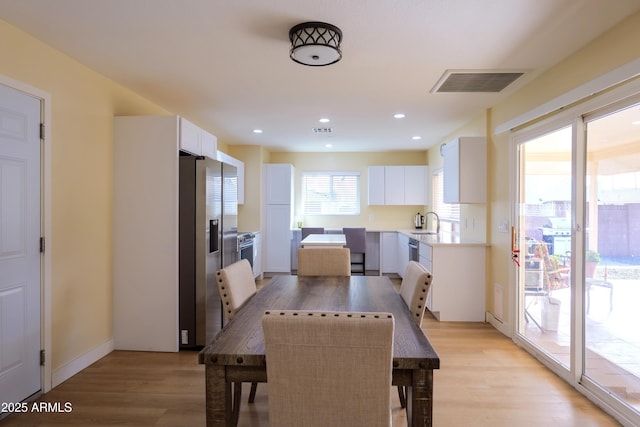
{"points": [[418, 221]]}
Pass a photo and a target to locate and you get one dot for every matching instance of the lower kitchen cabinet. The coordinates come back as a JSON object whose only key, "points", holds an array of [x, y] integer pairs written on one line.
{"points": [[458, 286]]}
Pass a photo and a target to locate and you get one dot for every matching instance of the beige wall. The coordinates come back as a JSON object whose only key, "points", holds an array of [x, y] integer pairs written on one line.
{"points": [[83, 106]]}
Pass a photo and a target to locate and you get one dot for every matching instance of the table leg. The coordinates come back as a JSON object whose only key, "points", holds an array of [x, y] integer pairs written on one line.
{"points": [[218, 397], [420, 399]]}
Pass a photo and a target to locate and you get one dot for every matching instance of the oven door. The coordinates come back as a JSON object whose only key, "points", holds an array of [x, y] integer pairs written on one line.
{"points": [[246, 252]]}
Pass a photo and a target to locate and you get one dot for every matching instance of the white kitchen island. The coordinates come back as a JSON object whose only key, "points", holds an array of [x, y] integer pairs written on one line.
{"points": [[324, 241]]}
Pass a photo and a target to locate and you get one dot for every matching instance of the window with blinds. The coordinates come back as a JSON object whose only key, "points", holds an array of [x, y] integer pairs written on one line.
{"points": [[331, 193], [446, 211]]}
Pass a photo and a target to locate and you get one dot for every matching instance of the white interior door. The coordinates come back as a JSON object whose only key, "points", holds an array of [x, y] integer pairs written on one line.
{"points": [[19, 245]]}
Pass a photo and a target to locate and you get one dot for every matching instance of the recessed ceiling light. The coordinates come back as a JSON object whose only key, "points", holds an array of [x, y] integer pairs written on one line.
{"points": [[257, 131], [398, 116], [328, 145], [416, 137], [324, 120]]}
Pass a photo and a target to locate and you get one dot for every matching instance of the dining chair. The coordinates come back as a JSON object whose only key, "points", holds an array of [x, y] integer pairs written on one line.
{"points": [[324, 262], [356, 238], [236, 285], [414, 289], [311, 230], [329, 368]]}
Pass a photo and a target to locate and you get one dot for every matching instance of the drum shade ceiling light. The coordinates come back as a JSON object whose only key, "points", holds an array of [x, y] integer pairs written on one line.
{"points": [[315, 44]]}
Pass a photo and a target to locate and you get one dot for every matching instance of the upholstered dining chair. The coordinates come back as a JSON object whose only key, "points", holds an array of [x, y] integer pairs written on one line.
{"points": [[414, 289], [356, 238], [324, 262], [328, 368], [236, 285], [311, 230]]}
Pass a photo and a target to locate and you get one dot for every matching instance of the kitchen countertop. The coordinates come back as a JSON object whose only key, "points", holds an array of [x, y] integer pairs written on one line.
{"points": [[441, 238]]}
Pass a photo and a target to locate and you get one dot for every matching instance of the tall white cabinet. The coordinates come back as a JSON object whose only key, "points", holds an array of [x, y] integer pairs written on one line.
{"points": [[145, 227], [278, 191]]}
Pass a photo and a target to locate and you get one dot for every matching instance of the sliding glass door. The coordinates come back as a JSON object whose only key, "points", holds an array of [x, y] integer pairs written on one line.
{"points": [[576, 247], [543, 239], [612, 252]]}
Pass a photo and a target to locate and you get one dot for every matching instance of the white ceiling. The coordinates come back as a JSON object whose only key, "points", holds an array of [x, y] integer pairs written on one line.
{"points": [[225, 64]]}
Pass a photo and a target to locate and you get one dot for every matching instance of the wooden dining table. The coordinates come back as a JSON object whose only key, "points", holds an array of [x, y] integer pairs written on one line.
{"points": [[237, 353]]}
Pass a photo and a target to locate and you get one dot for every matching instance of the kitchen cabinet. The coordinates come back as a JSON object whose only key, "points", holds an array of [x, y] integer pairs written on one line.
{"points": [[376, 185], [394, 185], [145, 232], [465, 170], [197, 141], [458, 287], [146, 227], [278, 190], [398, 185], [388, 252]]}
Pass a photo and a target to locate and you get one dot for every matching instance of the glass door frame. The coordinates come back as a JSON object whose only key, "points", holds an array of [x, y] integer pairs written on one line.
{"points": [[572, 373], [576, 116]]}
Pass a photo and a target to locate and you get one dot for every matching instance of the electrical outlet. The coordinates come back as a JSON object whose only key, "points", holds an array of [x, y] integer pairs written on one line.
{"points": [[503, 226], [184, 336]]}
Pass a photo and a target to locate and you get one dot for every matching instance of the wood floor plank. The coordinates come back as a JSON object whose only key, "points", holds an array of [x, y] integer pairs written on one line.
{"points": [[484, 380]]}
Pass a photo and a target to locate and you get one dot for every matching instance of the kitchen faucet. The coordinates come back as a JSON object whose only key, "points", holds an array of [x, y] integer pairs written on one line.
{"points": [[437, 220]]}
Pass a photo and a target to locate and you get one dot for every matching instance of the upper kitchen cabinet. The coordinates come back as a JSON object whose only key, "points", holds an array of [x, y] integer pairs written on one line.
{"points": [[465, 170], [197, 141], [398, 185]]}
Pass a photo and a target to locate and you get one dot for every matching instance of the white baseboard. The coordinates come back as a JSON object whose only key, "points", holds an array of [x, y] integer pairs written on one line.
{"points": [[499, 325], [76, 365]]}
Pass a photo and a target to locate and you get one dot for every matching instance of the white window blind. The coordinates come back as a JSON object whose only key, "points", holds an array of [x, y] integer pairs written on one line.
{"points": [[446, 211], [331, 193]]}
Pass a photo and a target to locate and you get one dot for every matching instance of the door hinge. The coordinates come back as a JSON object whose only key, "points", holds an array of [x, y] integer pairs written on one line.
{"points": [[42, 357], [41, 130], [42, 245]]}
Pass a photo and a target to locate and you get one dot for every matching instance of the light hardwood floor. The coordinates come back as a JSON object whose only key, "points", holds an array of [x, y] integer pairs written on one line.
{"points": [[484, 380]]}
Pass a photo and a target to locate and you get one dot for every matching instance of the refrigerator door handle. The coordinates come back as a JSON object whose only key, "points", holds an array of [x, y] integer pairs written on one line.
{"points": [[213, 236]]}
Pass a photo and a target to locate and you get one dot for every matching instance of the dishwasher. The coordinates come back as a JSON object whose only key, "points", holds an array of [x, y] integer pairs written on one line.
{"points": [[414, 250]]}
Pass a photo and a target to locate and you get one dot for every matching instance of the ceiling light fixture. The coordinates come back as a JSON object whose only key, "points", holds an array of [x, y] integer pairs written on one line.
{"points": [[398, 116], [324, 120], [315, 44], [417, 137], [257, 131]]}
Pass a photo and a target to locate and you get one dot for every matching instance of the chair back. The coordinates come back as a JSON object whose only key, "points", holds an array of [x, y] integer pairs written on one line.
{"points": [[356, 238], [236, 285], [415, 288], [311, 230], [329, 368], [324, 262]]}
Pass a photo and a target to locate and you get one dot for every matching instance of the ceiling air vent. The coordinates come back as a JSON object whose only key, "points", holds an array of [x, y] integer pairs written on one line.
{"points": [[322, 130], [475, 81]]}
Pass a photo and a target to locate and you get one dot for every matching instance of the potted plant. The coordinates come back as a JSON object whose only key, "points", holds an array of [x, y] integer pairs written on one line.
{"points": [[591, 260]]}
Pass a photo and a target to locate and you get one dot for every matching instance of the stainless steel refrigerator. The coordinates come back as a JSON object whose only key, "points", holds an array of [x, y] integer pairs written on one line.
{"points": [[208, 216]]}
